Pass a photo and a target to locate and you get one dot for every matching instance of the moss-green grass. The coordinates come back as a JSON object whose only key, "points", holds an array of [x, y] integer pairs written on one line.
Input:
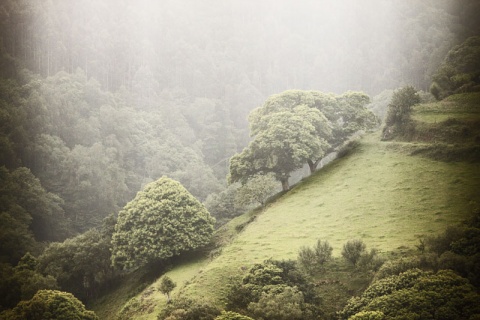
{"points": [[460, 106], [378, 194]]}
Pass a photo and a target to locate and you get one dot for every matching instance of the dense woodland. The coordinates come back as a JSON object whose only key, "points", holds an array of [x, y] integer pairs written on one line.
{"points": [[101, 98]]}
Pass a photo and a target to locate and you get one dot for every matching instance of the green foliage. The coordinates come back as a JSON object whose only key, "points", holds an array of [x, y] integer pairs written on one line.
{"points": [[457, 249], [223, 205], [396, 266], [283, 144], [162, 221], [50, 304], [353, 250], [274, 290], [82, 264], [417, 294], [279, 302], [186, 309], [256, 189], [312, 260], [399, 111], [298, 127], [166, 286], [230, 315], [368, 315], [28, 214], [459, 71], [22, 282], [370, 261]]}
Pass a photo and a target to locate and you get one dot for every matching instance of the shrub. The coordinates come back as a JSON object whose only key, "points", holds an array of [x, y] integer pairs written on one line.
{"points": [[368, 315], [370, 261], [417, 294], [187, 309], [230, 315], [267, 289], [166, 286], [395, 267], [314, 259], [352, 251], [441, 243], [279, 303]]}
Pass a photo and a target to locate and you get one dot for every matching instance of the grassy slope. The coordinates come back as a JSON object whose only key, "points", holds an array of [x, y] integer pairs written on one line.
{"points": [[379, 193]]}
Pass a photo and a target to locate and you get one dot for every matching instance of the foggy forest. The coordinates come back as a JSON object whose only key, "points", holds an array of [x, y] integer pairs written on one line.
{"points": [[141, 137]]}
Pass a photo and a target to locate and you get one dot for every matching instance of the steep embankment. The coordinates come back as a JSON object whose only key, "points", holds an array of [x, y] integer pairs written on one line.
{"points": [[379, 193]]}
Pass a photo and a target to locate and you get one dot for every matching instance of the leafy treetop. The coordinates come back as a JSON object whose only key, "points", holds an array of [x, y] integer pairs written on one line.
{"points": [[162, 221], [50, 304]]}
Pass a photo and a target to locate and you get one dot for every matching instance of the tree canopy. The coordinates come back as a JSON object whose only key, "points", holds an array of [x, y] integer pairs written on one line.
{"points": [[162, 221], [50, 304], [298, 127], [399, 110], [417, 294], [460, 70]]}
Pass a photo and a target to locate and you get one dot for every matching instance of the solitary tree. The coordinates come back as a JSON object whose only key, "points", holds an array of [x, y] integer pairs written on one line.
{"points": [[284, 145], [303, 104], [299, 127], [162, 221], [166, 286]]}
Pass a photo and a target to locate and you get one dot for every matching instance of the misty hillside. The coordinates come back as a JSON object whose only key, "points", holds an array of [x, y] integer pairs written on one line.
{"points": [[389, 194], [150, 148]]}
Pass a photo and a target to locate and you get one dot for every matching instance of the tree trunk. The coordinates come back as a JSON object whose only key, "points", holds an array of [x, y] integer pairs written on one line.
{"points": [[313, 165], [285, 185]]}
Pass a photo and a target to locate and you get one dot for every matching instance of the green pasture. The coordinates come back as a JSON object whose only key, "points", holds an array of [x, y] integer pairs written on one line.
{"points": [[459, 106], [379, 193]]}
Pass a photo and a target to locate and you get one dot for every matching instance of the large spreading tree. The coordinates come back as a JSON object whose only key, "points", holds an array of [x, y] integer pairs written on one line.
{"points": [[298, 127], [285, 143], [162, 221]]}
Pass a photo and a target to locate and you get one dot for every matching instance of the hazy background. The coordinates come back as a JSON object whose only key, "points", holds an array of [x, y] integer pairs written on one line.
{"points": [[102, 97]]}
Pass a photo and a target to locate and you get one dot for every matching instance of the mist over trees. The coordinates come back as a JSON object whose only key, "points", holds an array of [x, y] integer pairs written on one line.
{"points": [[99, 99]]}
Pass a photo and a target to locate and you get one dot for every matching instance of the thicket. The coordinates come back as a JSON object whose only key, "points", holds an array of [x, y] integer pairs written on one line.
{"points": [[460, 70], [275, 290], [187, 309], [50, 304], [439, 282]]}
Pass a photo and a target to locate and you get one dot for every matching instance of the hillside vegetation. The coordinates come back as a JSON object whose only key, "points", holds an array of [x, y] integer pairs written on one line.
{"points": [[384, 193]]}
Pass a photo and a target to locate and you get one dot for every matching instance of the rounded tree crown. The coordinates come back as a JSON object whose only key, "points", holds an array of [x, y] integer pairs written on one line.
{"points": [[162, 221]]}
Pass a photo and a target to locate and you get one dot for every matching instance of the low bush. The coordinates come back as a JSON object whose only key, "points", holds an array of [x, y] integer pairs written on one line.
{"points": [[353, 250], [313, 259], [187, 309]]}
